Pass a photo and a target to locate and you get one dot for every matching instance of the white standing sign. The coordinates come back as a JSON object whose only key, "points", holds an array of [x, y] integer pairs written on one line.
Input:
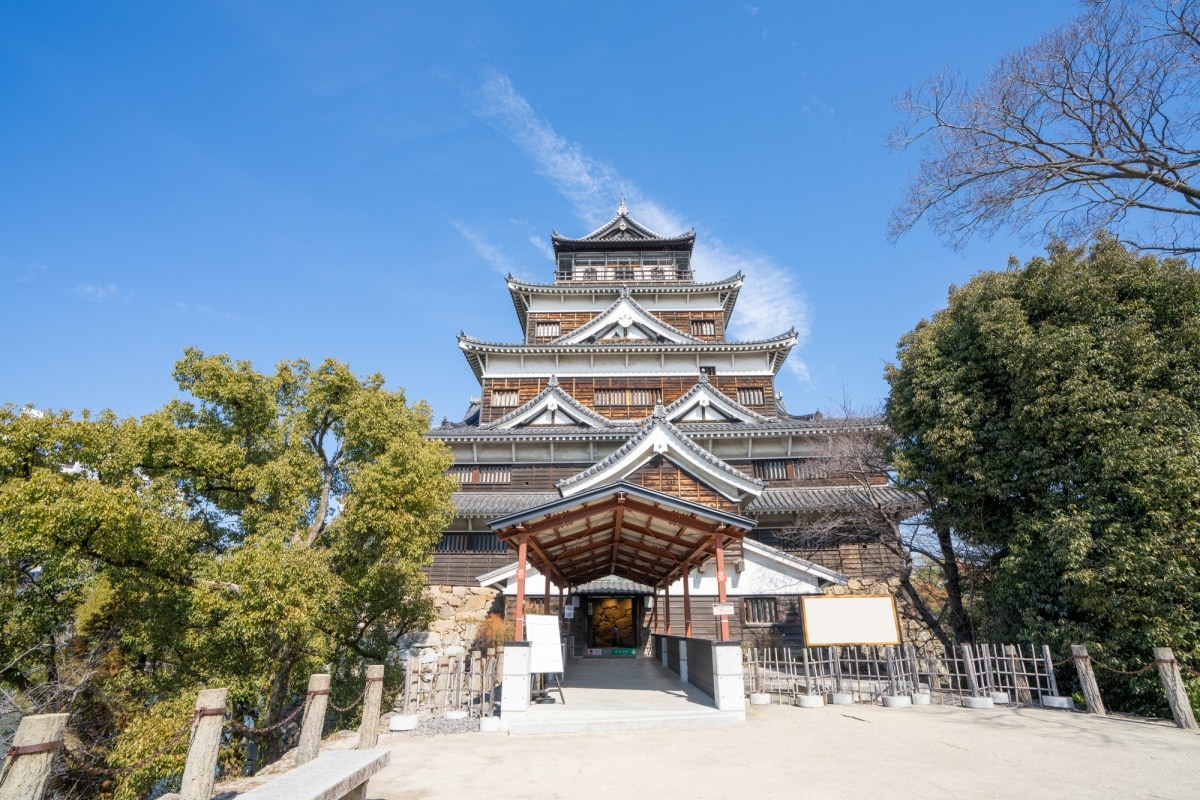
{"points": [[858, 619], [545, 643]]}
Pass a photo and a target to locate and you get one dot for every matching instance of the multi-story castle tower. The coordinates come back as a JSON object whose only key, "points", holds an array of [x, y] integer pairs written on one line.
{"points": [[628, 449]]}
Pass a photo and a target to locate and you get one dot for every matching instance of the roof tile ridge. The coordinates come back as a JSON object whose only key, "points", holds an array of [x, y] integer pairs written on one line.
{"points": [[551, 388], [707, 456], [612, 457], [706, 387]]}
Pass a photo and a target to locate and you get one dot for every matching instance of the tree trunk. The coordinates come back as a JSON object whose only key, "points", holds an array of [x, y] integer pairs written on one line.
{"points": [[959, 622], [273, 745]]}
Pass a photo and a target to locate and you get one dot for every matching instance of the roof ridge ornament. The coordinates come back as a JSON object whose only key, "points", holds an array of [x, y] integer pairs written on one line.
{"points": [[622, 210], [553, 381]]}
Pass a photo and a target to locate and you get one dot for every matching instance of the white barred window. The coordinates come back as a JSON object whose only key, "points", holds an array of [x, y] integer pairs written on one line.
{"points": [[504, 398], [547, 329], [751, 396]]}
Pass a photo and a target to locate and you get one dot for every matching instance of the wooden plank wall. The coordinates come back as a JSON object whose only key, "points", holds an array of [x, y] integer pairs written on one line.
{"points": [[462, 569], [661, 475], [570, 321], [582, 389]]}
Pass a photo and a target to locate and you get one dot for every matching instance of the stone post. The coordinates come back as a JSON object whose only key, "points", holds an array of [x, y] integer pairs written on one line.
{"points": [[729, 691], [200, 770], [514, 692], [368, 731], [1087, 679], [314, 719], [27, 770], [1172, 681]]}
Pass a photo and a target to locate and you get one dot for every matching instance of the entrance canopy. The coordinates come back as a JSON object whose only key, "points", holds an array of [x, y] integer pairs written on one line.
{"points": [[620, 529]]}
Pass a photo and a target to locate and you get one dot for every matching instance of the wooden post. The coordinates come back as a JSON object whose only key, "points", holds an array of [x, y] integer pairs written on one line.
{"points": [[314, 719], [27, 770], [654, 612], [522, 567], [1087, 679], [969, 666], [719, 539], [200, 771], [687, 600], [667, 606], [1172, 681], [1049, 662], [1017, 663], [368, 731]]}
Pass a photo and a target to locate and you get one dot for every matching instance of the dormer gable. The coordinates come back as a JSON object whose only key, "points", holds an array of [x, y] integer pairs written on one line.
{"points": [[551, 407], [660, 438], [703, 403], [626, 321]]}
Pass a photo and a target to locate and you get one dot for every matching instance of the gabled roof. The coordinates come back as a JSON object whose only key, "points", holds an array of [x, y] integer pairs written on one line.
{"points": [[622, 230], [660, 437], [626, 321], [551, 407], [703, 403]]}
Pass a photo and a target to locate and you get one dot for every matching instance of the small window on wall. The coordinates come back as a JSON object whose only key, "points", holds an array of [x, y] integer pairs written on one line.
{"points": [[760, 610], [475, 474], [626, 397], [548, 329], [704, 327], [706, 370], [504, 398], [751, 396]]}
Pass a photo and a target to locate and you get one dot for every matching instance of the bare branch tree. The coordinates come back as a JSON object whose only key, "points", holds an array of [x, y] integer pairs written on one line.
{"points": [[1096, 126]]}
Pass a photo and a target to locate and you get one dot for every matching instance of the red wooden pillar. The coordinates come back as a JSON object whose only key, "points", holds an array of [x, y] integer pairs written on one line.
{"points": [[546, 593], [654, 612], [560, 603], [522, 565], [719, 539], [687, 600], [667, 605]]}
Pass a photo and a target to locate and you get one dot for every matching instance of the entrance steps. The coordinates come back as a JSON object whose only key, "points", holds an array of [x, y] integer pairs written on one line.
{"points": [[621, 694]]}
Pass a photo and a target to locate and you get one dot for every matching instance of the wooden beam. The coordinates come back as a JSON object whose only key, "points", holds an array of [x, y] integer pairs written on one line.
{"points": [[522, 554]]}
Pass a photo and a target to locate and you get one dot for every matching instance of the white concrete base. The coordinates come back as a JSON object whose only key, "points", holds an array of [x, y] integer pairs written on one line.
{"points": [[1000, 698], [922, 699], [489, 724], [455, 715], [402, 722], [978, 702], [810, 701], [841, 698], [1052, 701], [760, 698], [897, 701]]}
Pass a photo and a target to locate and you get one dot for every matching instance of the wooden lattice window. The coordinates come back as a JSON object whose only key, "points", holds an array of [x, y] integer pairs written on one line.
{"points": [[548, 329], [751, 395], [704, 327], [707, 370], [505, 398], [770, 470], [760, 610], [627, 397], [476, 474]]}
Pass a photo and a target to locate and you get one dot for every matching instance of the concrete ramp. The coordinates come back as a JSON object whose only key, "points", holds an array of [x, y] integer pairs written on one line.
{"points": [[614, 694]]}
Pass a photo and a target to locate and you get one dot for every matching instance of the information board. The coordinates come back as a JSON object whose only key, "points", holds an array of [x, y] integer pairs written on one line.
{"points": [[545, 643], [869, 619]]}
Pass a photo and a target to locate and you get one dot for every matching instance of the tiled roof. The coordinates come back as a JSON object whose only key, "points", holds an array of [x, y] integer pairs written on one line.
{"points": [[554, 390], [488, 505], [800, 425], [612, 585], [658, 420], [831, 498]]}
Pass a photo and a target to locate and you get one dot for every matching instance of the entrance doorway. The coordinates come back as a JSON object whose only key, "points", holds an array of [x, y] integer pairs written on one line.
{"points": [[612, 624]]}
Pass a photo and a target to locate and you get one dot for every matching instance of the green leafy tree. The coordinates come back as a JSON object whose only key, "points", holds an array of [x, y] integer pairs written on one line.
{"points": [[262, 528], [1052, 415]]}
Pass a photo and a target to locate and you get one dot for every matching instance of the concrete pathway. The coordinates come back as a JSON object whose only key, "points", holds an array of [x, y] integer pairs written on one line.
{"points": [[622, 694], [833, 752]]}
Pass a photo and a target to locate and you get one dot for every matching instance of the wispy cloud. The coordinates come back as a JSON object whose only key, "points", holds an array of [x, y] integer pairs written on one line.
{"points": [[770, 301], [98, 293], [31, 273], [490, 254]]}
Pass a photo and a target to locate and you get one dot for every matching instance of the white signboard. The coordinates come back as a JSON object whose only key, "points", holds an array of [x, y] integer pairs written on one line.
{"points": [[545, 643], [850, 620], [568, 612], [722, 609]]}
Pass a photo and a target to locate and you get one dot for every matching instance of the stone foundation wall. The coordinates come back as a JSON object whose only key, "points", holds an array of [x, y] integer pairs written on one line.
{"points": [[458, 612]]}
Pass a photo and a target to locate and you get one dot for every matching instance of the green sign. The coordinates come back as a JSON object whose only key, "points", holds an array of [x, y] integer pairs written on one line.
{"points": [[623, 651]]}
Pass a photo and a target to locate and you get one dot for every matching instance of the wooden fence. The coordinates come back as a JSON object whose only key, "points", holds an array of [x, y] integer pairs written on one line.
{"points": [[1022, 675], [468, 685]]}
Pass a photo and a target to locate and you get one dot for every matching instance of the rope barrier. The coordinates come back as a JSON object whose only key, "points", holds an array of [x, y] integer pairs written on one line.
{"points": [[76, 757]]}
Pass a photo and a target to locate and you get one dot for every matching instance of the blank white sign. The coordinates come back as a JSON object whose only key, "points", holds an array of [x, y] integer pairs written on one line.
{"points": [[850, 620], [544, 642]]}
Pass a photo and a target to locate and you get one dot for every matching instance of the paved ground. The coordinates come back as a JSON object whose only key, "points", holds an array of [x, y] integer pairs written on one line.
{"points": [[859, 752]]}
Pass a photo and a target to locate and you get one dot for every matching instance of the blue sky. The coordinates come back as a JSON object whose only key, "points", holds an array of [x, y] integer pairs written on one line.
{"points": [[283, 180]]}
